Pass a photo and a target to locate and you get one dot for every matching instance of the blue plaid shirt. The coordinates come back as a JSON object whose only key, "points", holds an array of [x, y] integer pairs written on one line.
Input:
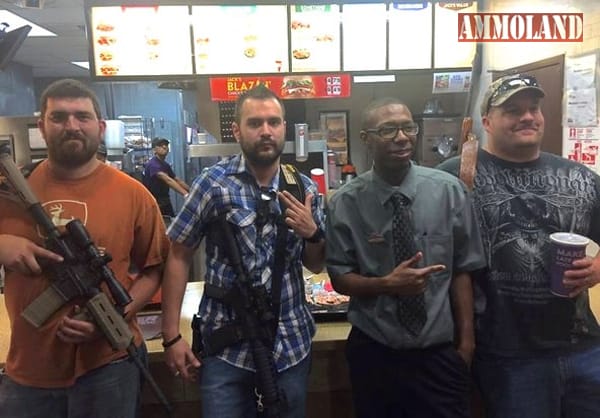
{"points": [[228, 187]]}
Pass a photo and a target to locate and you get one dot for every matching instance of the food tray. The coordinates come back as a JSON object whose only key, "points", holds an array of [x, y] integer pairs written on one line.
{"points": [[324, 303]]}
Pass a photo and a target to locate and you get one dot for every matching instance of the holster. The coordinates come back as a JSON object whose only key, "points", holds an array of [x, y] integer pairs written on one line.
{"points": [[197, 345]]}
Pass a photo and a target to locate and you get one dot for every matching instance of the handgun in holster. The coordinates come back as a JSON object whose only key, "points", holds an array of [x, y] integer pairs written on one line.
{"points": [[197, 345]]}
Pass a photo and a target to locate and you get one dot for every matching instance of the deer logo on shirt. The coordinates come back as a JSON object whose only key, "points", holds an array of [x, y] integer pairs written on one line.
{"points": [[62, 212], [56, 211]]}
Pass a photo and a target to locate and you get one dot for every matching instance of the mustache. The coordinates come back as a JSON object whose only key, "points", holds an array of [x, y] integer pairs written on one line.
{"points": [[73, 135], [527, 126], [266, 141]]}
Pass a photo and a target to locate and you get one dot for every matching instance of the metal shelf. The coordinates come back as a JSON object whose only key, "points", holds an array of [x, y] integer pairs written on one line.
{"points": [[231, 148]]}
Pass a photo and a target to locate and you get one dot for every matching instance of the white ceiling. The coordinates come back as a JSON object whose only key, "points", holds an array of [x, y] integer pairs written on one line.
{"points": [[52, 56]]}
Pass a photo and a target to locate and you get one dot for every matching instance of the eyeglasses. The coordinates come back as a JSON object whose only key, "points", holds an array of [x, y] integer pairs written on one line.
{"points": [[390, 133], [511, 84]]}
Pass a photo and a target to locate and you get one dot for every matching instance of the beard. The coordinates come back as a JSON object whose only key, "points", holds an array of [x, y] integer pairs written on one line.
{"points": [[262, 158], [72, 150]]}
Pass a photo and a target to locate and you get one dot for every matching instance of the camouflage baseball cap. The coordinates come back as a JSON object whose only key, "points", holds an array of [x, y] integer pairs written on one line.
{"points": [[507, 86]]}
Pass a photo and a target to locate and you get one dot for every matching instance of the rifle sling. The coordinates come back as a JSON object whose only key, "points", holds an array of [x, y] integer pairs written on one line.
{"points": [[468, 162]]}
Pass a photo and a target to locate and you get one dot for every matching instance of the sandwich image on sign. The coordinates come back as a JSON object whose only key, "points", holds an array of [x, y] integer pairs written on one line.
{"points": [[298, 86]]}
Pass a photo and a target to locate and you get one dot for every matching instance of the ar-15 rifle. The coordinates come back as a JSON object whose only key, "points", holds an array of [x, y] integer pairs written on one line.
{"points": [[252, 309], [81, 273]]}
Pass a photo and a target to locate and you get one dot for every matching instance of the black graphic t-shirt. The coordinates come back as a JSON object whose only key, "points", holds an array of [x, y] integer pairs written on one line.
{"points": [[518, 206]]}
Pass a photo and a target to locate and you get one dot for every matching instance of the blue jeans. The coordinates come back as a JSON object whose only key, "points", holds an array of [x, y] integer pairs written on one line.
{"points": [[110, 391], [228, 391], [559, 386]]}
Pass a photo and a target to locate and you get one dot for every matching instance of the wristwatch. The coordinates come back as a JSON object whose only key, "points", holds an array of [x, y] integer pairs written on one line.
{"points": [[316, 237]]}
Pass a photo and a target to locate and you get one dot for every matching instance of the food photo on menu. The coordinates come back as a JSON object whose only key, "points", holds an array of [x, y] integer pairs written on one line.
{"points": [[301, 53], [301, 36], [250, 45], [106, 40], [297, 86]]}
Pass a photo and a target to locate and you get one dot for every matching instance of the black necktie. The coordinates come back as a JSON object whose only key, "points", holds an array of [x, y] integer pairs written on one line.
{"points": [[411, 309]]}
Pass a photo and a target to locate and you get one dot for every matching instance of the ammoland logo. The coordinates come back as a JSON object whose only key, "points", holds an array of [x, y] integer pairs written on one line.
{"points": [[520, 27]]}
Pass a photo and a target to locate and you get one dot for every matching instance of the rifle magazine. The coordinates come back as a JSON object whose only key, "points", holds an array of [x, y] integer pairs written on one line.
{"points": [[43, 307]]}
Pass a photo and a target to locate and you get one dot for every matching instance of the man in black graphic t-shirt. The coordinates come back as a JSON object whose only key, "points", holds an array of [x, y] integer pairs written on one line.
{"points": [[537, 355]]}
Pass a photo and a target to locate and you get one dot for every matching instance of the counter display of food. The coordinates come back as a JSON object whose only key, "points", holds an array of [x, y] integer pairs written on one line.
{"points": [[324, 302]]}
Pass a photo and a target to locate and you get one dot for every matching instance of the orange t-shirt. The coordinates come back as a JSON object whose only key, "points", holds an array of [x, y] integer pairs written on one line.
{"points": [[122, 218]]}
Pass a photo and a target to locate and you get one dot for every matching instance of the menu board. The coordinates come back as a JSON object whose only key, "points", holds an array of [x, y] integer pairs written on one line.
{"points": [[364, 50], [315, 37], [240, 39], [449, 53], [141, 41], [408, 22]]}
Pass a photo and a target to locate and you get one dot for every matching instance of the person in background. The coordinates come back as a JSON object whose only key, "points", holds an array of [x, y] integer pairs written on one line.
{"points": [[538, 355], [245, 187], [402, 242], [67, 368], [101, 153], [159, 177]]}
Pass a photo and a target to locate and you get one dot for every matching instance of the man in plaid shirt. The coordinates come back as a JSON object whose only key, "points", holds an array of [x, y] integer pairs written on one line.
{"points": [[245, 187]]}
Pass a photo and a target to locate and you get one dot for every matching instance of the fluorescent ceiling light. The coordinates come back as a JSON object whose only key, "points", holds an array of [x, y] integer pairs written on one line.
{"points": [[383, 78], [83, 64], [15, 22]]}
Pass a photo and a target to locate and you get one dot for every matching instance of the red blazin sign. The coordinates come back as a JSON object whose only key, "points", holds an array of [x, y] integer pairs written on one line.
{"points": [[291, 86], [520, 27]]}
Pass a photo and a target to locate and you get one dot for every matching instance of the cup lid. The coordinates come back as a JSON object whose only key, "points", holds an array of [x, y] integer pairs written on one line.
{"points": [[317, 171], [569, 238]]}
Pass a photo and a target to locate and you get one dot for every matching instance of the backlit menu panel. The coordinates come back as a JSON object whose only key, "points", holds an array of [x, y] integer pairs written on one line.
{"points": [[364, 30], [315, 37], [410, 26], [450, 53], [240, 39], [141, 41]]}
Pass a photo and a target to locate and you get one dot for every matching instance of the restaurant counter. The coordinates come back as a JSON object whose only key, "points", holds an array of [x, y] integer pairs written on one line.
{"points": [[329, 388], [329, 393]]}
